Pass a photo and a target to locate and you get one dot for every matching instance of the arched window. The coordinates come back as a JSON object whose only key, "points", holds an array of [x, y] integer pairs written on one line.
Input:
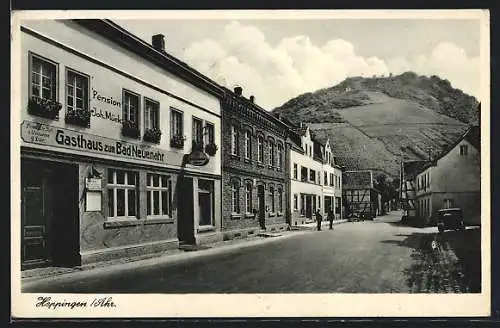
{"points": [[260, 149], [280, 156], [280, 200], [235, 140], [248, 197], [248, 144], [271, 152], [271, 198], [235, 197]]}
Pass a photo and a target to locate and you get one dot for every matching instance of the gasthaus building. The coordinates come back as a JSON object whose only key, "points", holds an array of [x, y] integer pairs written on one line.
{"points": [[120, 146], [255, 178]]}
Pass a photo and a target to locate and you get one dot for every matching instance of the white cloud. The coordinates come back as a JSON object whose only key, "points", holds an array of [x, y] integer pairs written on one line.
{"points": [[274, 74]]}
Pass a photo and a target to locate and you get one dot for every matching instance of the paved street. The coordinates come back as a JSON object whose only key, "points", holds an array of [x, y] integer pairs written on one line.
{"points": [[379, 256]]}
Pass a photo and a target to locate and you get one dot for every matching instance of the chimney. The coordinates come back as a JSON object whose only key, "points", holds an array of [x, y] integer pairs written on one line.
{"points": [[238, 91], [252, 99], [158, 41]]}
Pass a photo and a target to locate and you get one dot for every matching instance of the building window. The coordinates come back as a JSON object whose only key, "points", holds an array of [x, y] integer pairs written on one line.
{"points": [[303, 173], [463, 150], [206, 202], [77, 89], [312, 176], [280, 156], [271, 198], [271, 153], [234, 141], [122, 195], [235, 197], [333, 179], [325, 179], [151, 114], [280, 200], [43, 78], [295, 202], [448, 203], [210, 133], [248, 145], [248, 197], [260, 149], [131, 107], [428, 180], [197, 133], [295, 171], [159, 195], [319, 202], [176, 123]]}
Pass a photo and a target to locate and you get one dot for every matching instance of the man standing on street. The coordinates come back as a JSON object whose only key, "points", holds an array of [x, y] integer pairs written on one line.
{"points": [[330, 218], [319, 218]]}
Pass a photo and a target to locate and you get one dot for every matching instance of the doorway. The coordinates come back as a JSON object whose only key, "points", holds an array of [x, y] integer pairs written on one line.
{"points": [[185, 222], [205, 202], [49, 214], [262, 206]]}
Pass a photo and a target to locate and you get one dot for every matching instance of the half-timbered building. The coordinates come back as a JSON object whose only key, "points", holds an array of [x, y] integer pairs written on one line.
{"points": [[361, 198]]}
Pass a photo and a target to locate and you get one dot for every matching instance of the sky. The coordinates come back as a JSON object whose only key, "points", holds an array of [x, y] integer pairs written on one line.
{"points": [[278, 59]]}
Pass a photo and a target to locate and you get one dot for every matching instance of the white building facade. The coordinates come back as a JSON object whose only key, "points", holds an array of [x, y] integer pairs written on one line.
{"points": [[332, 182]]}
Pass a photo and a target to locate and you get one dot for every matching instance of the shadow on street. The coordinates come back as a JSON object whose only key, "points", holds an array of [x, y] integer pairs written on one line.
{"points": [[448, 262]]}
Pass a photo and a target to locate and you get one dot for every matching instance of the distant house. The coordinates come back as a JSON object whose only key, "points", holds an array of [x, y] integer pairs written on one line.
{"points": [[360, 195], [452, 179]]}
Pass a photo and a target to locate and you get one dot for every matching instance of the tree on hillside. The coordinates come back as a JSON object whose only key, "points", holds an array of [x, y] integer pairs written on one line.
{"points": [[388, 190]]}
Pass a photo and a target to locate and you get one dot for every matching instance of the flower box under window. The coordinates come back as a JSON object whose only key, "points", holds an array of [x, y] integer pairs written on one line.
{"points": [[44, 107], [130, 129], [177, 141], [152, 135], [211, 149], [80, 117], [197, 146]]}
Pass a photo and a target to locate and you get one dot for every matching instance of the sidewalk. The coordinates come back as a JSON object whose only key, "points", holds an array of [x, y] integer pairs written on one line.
{"points": [[170, 256], [313, 225]]}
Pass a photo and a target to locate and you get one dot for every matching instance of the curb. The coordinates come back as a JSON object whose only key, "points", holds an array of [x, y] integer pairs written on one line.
{"points": [[179, 256]]}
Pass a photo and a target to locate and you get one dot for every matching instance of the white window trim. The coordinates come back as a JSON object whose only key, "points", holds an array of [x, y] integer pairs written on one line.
{"points": [[85, 99], [147, 117], [56, 76], [114, 186], [160, 202]]}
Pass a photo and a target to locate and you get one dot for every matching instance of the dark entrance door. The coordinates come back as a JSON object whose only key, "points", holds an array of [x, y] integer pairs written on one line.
{"points": [[262, 206], [185, 222], [49, 214], [308, 206]]}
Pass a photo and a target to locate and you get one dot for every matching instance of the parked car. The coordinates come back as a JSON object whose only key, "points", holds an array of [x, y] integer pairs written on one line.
{"points": [[450, 219]]}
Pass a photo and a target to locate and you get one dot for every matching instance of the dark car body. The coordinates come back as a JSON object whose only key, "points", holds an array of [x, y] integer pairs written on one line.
{"points": [[450, 219]]}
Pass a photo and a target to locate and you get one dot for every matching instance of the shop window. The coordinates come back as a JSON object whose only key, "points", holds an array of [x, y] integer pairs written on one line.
{"points": [[77, 94], [206, 202], [260, 149], [159, 195], [235, 197], [248, 145], [122, 194], [248, 197]]}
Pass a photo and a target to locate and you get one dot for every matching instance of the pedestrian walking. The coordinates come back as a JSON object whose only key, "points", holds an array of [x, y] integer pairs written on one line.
{"points": [[319, 218], [330, 218]]}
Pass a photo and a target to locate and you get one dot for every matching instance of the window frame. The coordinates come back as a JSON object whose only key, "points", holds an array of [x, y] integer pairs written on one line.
{"points": [[160, 189], [271, 194], [56, 84], [146, 116], [295, 171], [210, 137], [201, 141], [464, 150], [85, 98], [260, 149], [173, 112], [235, 140], [138, 109], [114, 186], [235, 198], [248, 197]]}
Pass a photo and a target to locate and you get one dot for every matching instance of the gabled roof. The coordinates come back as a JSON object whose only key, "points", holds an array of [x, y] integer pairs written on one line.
{"points": [[357, 179], [412, 168]]}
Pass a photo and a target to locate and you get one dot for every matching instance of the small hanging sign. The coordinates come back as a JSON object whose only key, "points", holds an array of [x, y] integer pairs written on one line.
{"points": [[93, 184]]}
